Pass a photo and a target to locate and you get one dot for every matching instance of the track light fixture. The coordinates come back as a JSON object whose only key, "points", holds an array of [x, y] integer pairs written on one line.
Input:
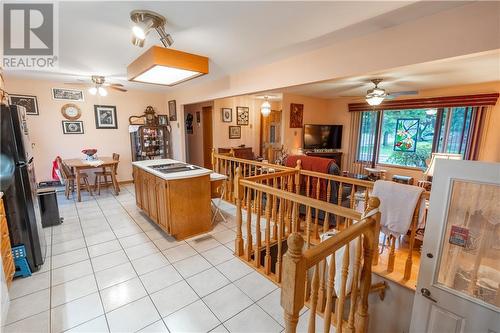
{"points": [[145, 21]]}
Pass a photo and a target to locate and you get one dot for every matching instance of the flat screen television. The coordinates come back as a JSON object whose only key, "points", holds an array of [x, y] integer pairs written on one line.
{"points": [[322, 136]]}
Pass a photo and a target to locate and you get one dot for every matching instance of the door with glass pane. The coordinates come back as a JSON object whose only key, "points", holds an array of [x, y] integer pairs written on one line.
{"points": [[458, 289]]}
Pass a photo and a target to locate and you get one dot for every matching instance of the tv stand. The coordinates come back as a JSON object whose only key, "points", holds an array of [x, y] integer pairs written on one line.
{"points": [[327, 153]]}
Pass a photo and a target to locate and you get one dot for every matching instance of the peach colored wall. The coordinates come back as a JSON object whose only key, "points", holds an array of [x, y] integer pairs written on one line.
{"points": [[489, 151], [194, 142], [46, 129], [249, 134]]}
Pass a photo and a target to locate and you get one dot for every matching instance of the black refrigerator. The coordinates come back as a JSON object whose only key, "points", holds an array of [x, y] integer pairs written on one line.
{"points": [[20, 196]]}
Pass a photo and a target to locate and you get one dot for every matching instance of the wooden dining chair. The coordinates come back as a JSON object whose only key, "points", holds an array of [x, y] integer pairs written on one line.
{"points": [[101, 177], [69, 179]]}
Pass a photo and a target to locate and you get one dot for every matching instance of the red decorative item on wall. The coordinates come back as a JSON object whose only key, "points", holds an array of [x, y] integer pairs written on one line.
{"points": [[296, 115]]}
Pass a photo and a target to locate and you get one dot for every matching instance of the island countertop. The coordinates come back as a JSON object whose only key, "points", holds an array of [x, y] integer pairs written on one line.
{"points": [[147, 164]]}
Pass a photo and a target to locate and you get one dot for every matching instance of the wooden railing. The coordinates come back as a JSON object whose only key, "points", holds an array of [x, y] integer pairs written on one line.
{"points": [[339, 190], [330, 302]]}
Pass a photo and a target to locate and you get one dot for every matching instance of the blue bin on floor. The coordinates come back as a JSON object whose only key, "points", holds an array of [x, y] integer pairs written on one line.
{"points": [[22, 267]]}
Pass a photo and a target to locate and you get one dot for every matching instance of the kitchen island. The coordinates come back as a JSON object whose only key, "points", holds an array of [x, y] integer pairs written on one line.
{"points": [[175, 195]]}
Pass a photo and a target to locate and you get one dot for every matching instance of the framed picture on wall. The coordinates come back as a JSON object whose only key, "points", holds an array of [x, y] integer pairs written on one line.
{"points": [[29, 102], [227, 115], [235, 132], [62, 94], [242, 115], [198, 117], [162, 119], [172, 110], [72, 127], [105, 117], [296, 115]]}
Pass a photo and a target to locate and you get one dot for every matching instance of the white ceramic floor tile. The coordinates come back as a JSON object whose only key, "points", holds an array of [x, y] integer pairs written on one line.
{"points": [[28, 305], [219, 329], [69, 258], [218, 255], [234, 269], [227, 301], [149, 263], [155, 234], [161, 278], [71, 245], [133, 240], [115, 275], [192, 265], [23, 286], [100, 238], [133, 316], [253, 319], [35, 324], [272, 305], [180, 252], [167, 242], [109, 260], [66, 236], [157, 327], [72, 290], [195, 317], [104, 248], [128, 230], [255, 285], [225, 236], [140, 251], [97, 325], [173, 298], [207, 281], [203, 243], [74, 313], [121, 294], [71, 272]]}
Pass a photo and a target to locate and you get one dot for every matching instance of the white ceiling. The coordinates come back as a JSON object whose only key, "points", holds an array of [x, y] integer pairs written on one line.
{"points": [[95, 37], [484, 67]]}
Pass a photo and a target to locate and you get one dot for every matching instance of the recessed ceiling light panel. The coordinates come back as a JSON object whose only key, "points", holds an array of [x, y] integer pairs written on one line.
{"points": [[169, 67]]}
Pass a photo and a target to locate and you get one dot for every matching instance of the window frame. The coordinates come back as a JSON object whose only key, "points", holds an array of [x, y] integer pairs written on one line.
{"points": [[435, 140]]}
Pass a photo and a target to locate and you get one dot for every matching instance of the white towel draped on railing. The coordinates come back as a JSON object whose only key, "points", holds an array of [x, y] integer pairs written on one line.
{"points": [[397, 204]]}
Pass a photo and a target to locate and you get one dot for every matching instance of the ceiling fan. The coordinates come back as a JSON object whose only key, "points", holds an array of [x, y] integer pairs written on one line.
{"points": [[98, 85], [377, 95]]}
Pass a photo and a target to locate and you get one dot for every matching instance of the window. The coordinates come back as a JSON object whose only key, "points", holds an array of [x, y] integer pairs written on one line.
{"points": [[408, 137]]}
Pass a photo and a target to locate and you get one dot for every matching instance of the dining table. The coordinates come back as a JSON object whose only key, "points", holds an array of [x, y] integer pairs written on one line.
{"points": [[78, 164]]}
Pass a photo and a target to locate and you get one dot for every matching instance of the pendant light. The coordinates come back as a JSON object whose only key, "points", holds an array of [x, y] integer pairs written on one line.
{"points": [[265, 108]]}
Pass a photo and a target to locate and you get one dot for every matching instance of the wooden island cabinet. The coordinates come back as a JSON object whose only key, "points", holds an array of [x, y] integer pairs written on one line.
{"points": [[178, 203]]}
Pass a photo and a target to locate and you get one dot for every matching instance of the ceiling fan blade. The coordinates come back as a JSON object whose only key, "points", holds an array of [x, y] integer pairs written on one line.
{"points": [[116, 84], [117, 88], [403, 93], [78, 84]]}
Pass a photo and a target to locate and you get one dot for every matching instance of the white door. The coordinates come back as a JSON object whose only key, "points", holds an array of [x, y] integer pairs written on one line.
{"points": [[458, 285]]}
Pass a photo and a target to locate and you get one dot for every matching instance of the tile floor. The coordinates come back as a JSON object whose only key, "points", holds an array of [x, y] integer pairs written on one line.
{"points": [[109, 269]]}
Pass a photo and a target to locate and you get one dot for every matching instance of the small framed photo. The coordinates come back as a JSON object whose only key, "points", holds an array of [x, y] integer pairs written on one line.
{"points": [[62, 94], [162, 119], [242, 115], [172, 110], [29, 102], [227, 115], [198, 117], [72, 127], [105, 116], [235, 132]]}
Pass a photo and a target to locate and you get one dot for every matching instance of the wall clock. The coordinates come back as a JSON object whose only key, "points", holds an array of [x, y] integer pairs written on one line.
{"points": [[71, 111]]}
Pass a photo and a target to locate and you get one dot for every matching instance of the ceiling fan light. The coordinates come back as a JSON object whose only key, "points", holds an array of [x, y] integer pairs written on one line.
{"points": [[93, 90], [265, 108], [102, 92], [378, 91], [374, 100]]}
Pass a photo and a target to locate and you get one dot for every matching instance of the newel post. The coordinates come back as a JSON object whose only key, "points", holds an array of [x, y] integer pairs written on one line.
{"points": [[238, 245], [293, 281], [366, 273], [212, 160]]}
